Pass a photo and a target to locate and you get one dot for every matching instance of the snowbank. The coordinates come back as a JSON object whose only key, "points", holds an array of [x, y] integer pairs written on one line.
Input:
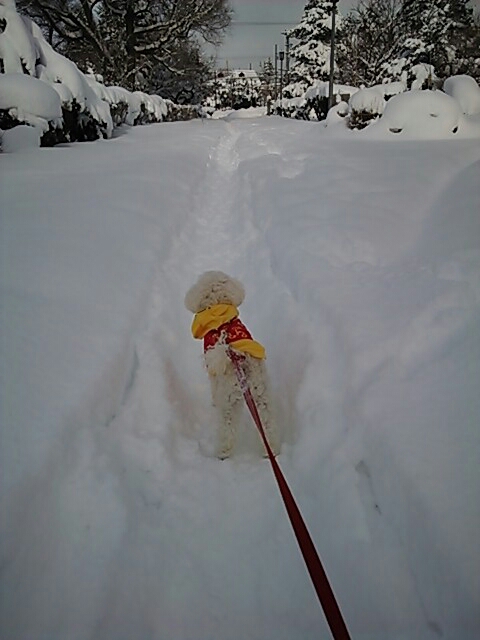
{"points": [[466, 92], [240, 114], [420, 115], [20, 138]]}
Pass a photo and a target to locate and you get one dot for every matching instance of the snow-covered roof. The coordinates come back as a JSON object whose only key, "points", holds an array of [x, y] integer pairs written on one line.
{"points": [[244, 73]]}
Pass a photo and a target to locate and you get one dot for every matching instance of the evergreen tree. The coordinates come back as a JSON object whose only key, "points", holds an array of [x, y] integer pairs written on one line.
{"points": [[267, 79], [434, 34], [310, 55]]}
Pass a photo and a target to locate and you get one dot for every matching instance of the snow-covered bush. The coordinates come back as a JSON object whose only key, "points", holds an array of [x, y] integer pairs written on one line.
{"points": [[152, 108], [313, 104], [466, 92], [24, 52], [390, 89], [182, 111], [364, 106], [27, 101], [420, 114], [30, 101], [337, 115], [42, 88]]}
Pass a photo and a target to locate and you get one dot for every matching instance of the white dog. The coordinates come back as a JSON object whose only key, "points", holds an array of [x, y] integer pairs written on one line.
{"points": [[214, 300]]}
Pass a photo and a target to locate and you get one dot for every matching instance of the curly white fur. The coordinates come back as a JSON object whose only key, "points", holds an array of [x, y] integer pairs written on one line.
{"points": [[216, 287]]}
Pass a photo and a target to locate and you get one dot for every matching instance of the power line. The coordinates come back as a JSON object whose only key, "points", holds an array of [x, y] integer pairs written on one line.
{"points": [[273, 24]]}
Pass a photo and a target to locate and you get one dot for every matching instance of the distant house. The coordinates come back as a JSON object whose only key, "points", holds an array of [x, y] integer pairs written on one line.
{"points": [[245, 74], [234, 88]]}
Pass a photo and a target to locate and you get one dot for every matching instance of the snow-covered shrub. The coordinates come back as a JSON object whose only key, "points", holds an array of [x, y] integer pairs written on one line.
{"points": [[466, 92], [313, 104], [181, 112], [152, 108], [25, 52], [420, 114], [422, 76], [390, 89], [124, 105], [337, 115], [26, 100], [364, 106]]}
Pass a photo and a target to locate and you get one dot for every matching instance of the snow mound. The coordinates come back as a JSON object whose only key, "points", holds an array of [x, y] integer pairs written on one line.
{"points": [[337, 114], [240, 114], [30, 100], [420, 115], [466, 92], [370, 100], [21, 138]]}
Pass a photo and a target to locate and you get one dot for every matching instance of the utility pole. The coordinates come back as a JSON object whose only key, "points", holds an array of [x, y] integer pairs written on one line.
{"points": [[332, 56], [287, 56], [281, 55], [276, 76]]}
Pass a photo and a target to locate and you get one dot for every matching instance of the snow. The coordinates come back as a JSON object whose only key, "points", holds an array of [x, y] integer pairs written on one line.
{"points": [[361, 262], [30, 100], [422, 115], [321, 89], [239, 114], [466, 91], [20, 138], [370, 100], [390, 88], [422, 72], [17, 46], [23, 48]]}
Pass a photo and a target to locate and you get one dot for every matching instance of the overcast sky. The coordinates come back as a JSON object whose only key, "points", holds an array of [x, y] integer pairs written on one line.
{"points": [[257, 26]]}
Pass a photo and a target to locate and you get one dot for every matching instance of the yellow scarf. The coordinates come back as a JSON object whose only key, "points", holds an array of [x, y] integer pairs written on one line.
{"points": [[214, 317]]}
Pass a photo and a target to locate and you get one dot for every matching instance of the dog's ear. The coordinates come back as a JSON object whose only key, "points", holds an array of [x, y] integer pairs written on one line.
{"points": [[192, 299]]}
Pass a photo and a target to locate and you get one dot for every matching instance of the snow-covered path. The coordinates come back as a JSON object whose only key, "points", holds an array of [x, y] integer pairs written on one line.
{"points": [[361, 262]]}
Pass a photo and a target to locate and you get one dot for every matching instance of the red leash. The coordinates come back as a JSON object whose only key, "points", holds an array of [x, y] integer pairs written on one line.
{"points": [[315, 569]]}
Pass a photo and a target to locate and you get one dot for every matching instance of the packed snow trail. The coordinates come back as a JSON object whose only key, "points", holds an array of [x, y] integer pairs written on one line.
{"points": [[361, 263], [218, 234]]}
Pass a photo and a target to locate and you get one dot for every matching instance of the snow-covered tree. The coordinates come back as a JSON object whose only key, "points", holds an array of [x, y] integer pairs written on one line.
{"points": [[267, 76], [370, 36], [310, 54], [433, 34], [133, 43]]}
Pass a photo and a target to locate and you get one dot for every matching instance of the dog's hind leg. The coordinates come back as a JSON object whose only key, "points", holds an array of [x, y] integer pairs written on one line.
{"points": [[229, 416], [227, 399], [261, 395]]}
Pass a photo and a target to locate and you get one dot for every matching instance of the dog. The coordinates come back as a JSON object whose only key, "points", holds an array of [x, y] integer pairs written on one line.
{"points": [[214, 299]]}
